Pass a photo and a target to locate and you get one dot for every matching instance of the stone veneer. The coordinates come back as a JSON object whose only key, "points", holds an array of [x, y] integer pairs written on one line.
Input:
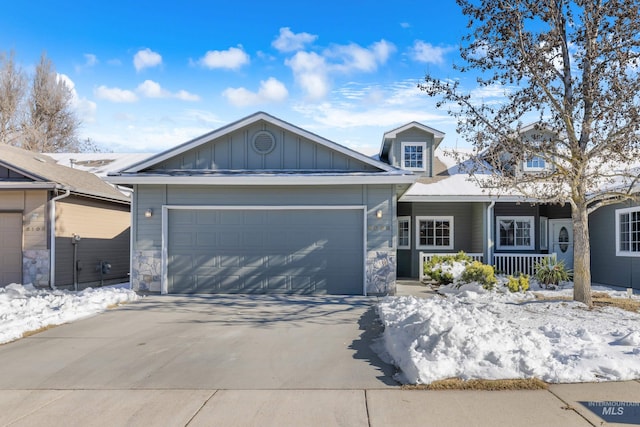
{"points": [[381, 273], [146, 270], [35, 267]]}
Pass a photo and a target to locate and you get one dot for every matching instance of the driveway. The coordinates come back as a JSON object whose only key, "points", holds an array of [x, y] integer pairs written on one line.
{"points": [[206, 342]]}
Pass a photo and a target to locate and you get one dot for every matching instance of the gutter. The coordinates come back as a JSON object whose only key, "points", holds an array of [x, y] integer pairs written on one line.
{"points": [[52, 237]]}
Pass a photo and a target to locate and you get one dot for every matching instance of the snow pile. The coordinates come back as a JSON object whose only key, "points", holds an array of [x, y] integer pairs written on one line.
{"points": [[24, 308], [500, 335]]}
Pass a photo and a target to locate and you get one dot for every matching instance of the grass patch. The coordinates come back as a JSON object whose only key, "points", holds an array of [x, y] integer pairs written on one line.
{"points": [[484, 385], [600, 299], [37, 331]]}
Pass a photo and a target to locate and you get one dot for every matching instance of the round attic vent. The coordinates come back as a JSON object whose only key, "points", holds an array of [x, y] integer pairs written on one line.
{"points": [[263, 142]]}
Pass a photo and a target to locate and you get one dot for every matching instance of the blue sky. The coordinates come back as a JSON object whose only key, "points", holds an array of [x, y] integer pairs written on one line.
{"points": [[150, 75]]}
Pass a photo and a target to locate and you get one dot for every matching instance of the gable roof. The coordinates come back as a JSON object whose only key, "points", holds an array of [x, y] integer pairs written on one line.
{"points": [[389, 136], [139, 172], [44, 172]]}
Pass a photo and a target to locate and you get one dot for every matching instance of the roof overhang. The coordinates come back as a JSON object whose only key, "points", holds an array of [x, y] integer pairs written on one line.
{"points": [[467, 198], [33, 185], [264, 180]]}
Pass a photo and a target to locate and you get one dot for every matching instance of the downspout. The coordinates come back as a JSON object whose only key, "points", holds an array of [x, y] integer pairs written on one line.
{"points": [[52, 237], [489, 233]]}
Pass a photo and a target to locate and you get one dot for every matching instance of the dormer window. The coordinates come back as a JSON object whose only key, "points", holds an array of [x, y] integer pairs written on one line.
{"points": [[536, 163], [414, 156]]}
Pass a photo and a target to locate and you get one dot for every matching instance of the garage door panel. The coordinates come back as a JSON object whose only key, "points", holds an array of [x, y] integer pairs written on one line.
{"points": [[267, 251]]}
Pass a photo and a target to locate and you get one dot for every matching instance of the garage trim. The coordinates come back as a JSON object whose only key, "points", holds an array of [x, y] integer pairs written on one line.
{"points": [[164, 285]]}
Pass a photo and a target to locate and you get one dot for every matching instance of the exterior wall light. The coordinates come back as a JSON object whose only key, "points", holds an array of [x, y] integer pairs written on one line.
{"points": [[148, 213], [379, 214]]}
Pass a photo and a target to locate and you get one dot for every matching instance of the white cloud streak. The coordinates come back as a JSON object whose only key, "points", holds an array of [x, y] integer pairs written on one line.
{"points": [[115, 94], [271, 90], [426, 52]]}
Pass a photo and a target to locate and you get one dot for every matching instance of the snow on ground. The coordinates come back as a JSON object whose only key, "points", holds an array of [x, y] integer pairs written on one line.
{"points": [[473, 333], [25, 308]]}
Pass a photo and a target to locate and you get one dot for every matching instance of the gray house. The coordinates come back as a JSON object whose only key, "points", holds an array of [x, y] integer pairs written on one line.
{"points": [[262, 206], [446, 212], [58, 223]]}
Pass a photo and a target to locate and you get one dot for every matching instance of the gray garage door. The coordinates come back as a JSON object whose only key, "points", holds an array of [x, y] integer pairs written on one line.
{"points": [[265, 251], [10, 248]]}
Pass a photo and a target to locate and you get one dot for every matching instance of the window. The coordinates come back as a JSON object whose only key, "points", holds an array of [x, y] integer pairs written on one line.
{"points": [[404, 232], [414, 156], [544, 234], [435, 232], [515, 232], [628, 232], [536, 163]]}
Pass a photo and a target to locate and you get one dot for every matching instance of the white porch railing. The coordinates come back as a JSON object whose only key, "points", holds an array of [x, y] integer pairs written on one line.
{"points": [[424, 257], [518, 263], [502, 263]]}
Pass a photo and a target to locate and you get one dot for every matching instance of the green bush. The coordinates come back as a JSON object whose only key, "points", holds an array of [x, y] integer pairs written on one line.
{"points": [[518, 284], [481, 273], [439, 266], [550, 272]]}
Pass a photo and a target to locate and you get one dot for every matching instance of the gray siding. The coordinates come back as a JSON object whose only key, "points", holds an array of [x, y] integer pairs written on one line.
{"points": [[234, 151], [412, 135], [606, 267], [467, 231], [148, 231]]}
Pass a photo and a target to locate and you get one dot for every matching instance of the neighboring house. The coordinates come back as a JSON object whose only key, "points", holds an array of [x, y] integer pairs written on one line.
{"points": [[447, 212], [57, 224], [262, 206]]}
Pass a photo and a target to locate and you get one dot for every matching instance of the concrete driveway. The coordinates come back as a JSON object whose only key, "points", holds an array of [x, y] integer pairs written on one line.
{"points": [[206, 342]]}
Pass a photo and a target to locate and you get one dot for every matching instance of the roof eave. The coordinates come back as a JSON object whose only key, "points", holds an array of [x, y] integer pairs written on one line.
{"points": [[262, 180]]}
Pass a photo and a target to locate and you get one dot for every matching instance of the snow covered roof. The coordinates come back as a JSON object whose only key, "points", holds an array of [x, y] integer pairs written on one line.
{"points": [[98, 163], [450, 183]]}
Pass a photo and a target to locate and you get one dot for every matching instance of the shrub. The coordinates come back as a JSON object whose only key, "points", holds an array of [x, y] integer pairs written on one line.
{"points": [[441, 268], [481, 273], [550, 272], [518, 284]]}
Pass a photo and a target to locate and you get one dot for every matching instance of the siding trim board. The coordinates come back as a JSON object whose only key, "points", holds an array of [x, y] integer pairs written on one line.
{"points": [[164, 287]]}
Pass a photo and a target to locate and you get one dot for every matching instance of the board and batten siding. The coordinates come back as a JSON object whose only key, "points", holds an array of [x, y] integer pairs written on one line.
{"points": [[234, 151], [32, 204], [412, 135], [606, 267], [104, 231]]}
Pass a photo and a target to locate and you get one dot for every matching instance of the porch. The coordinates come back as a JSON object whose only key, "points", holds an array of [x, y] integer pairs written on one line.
{"points": [[511, 263]]}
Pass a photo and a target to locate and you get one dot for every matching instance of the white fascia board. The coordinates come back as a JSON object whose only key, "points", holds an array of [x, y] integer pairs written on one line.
{"points": [[245, 122], [463, 198], [7, 185], [263, 180]]}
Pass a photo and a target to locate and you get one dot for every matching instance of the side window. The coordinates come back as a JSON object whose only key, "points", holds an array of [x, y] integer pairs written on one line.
{"points": [[628, 232], [404, 232]]}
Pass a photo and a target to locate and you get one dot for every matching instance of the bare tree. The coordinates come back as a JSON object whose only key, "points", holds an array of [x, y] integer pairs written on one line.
{"points": [[13, 85], [571, 67], [51, 124]]}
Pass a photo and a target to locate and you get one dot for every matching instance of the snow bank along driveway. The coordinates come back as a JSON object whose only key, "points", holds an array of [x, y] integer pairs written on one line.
{"points": [[498, 335], [24, 308]]}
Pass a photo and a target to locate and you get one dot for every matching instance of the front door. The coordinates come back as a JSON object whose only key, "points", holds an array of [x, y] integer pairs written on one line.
{"points": [[561, 238]]}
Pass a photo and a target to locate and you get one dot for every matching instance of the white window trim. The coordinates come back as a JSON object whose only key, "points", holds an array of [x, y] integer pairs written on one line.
{"points": [[435, 218], [618, 251], [544, 233], [534, 168], [408, 220], [532, 235], [424, 155]]}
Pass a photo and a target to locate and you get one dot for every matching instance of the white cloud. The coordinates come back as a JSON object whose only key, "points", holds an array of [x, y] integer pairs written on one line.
{"points": [[232, 58], [311, 73], [288, 41], [115, 94], [271, 90], [353, 57], [146, 58], [405, 25], [86, 109], [91, 59], [426, 52], [151, 89]]}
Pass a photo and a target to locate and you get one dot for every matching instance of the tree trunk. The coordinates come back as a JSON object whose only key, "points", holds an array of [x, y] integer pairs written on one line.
{"points": [[581, 255]]}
